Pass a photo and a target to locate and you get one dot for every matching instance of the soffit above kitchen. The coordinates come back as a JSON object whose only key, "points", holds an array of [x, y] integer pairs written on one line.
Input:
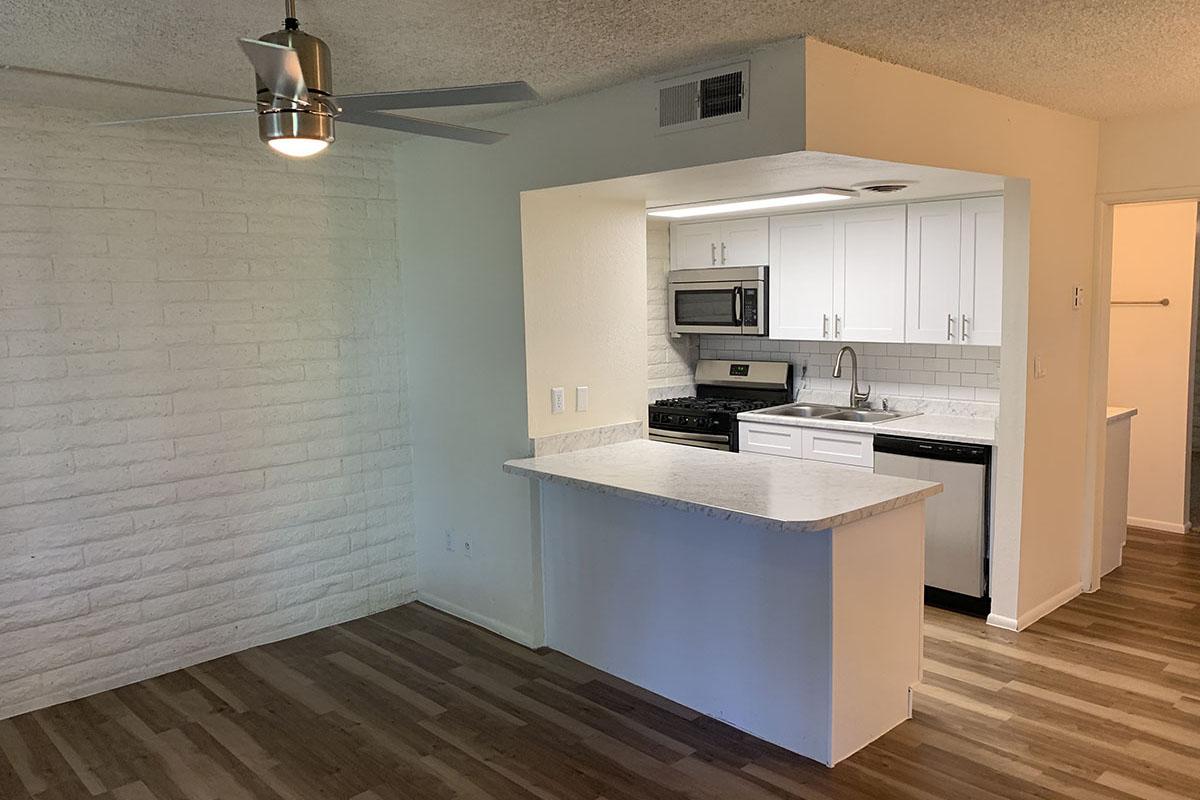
{"points": [[1098, 60], [790, 172]]}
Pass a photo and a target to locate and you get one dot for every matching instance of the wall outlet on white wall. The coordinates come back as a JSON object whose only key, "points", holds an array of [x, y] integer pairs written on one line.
{"points": [[581, 398], [558, 400], [449, 541]]}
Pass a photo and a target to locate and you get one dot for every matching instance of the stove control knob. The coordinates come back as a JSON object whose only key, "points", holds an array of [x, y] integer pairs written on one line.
{"points": [[714, 423]]}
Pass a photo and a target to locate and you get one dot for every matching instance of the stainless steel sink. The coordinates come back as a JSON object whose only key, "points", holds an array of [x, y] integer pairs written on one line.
{"points": [[857, 415], [803, 410], [838, 413]]}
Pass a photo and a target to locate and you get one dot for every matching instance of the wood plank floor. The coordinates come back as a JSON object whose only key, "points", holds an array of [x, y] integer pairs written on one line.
{"points": [[1100, 699]]}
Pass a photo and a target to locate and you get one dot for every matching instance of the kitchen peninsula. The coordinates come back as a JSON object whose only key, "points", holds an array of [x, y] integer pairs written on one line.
{"points": [[781, 596]]}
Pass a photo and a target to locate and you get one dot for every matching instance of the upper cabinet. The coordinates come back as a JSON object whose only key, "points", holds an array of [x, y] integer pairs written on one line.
{"points": [[922, 273], [868, 275], [725, 243], [838, 275], [801, 277], [982, 277], [954, 274], [934, 264]]}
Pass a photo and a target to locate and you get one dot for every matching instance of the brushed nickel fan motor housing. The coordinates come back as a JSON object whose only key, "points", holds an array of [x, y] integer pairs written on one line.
{"points": [[278, 120]]}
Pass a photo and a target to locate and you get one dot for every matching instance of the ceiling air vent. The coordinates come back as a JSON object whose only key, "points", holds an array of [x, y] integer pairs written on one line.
{"points": [[883, 188], [703, 98]]}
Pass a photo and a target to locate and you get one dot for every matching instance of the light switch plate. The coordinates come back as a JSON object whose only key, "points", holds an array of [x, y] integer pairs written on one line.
{"points": [[558, 400], [581, 398]]}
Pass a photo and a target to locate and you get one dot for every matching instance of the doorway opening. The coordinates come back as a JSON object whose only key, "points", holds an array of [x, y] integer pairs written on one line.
{"points": [[1151, 368]]}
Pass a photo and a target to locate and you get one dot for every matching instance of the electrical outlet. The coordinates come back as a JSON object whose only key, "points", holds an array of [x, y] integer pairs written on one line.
{"points": [[581, 398], [558, 400], [449, 541], [1078, 298]]}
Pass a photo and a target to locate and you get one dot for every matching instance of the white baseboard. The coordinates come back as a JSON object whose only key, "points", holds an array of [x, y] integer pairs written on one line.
{"points": [[1157, 525], [998, 621], [1037, 612], [1042, 609], [493, 625]]}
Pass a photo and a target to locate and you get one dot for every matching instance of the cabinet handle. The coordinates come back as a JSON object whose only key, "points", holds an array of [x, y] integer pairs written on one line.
{"points": [[837, 326], [949, 327], [714, 254], [824, 326], [722, 253], [965, 321]]}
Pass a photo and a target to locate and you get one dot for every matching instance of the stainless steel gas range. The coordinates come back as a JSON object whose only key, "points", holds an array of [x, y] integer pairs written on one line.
{"points": [[724, 389]]}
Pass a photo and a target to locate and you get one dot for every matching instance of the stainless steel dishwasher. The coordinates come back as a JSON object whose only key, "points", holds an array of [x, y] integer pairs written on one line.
{"points": [[956, 521]]}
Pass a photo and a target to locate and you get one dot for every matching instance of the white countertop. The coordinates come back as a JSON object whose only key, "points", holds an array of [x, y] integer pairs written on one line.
{"points": [[940, 427], [1118, 412], [780, 493]]}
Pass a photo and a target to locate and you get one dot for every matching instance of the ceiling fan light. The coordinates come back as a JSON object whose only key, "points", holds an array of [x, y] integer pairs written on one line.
{"points": [[297, 147], [297, 133]]}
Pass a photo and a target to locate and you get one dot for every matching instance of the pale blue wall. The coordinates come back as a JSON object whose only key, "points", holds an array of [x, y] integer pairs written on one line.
{"points": [[460, 245]]}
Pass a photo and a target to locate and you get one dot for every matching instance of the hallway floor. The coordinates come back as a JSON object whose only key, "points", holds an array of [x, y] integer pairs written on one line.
{"points": [[1100, 699]]}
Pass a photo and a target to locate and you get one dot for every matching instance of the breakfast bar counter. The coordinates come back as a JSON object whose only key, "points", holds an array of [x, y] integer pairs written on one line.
{"points": [[783, 597]]}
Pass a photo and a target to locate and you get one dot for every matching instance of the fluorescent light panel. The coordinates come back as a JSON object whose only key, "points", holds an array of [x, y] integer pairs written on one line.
{"points": [[784, 200]]}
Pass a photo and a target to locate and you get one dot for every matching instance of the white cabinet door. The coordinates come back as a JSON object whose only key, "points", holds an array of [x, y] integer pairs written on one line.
{"points": [[800, 301], [982, 271], [932, 272], [771, 440], [868, 278], [745, 243], [696, 245], [838, 447]]}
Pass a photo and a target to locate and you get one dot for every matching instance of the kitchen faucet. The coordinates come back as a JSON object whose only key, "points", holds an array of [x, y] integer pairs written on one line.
{"points": [[857, 399]]}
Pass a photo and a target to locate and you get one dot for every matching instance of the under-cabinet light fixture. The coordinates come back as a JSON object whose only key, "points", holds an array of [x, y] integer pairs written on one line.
{"points": [[781, 200]]}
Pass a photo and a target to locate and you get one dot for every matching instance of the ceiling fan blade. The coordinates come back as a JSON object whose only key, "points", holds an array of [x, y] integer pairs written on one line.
{"points": [[174, 116], [511, 92], [45, 73], [421, 127], [279, 69]]}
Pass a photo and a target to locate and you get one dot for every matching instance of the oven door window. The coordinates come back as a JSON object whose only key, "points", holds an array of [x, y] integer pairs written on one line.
{"points": [[706, 307]]}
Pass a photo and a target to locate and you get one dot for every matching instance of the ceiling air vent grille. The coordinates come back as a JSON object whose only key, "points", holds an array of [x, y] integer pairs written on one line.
{"points": [[703, 98]]}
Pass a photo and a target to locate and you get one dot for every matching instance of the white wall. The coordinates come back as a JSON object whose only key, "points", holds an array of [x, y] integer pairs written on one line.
{"points": [[459, 219], [203, 433], [1150, 347], [584, 271]]}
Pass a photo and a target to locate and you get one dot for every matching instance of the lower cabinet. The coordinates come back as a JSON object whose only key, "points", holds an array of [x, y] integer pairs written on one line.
{"points": [[848, 448]]}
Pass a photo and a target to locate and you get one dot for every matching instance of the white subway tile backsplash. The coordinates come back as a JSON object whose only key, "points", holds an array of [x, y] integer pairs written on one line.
{"points": [[943, 372]]}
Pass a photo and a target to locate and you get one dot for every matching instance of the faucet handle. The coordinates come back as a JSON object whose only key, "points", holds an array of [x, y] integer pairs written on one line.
{"points": [[861, 398]]}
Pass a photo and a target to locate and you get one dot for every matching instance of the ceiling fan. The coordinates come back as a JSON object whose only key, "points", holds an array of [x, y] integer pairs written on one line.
{"points": [[296, 107]]}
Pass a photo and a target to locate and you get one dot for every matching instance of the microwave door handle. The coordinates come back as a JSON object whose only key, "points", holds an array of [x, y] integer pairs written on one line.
{"points": [[737, 306]]}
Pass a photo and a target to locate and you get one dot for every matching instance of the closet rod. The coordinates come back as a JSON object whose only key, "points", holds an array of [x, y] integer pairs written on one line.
{"points": [[1163, 302]]}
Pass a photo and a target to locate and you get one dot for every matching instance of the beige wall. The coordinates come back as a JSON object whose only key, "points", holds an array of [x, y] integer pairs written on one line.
{"points": [[1150, 153], [1154, 250], [937, 122], [584, 269]]}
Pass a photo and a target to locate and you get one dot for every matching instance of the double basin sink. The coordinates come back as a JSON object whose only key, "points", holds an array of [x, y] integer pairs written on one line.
{"points": [[841, 413]]}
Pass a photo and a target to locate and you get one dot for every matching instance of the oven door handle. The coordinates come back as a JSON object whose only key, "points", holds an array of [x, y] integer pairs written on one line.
{"points": [[737, 306]]}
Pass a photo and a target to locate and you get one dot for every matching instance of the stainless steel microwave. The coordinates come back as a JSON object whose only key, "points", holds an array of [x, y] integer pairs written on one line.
{"points": [[730, 300]]}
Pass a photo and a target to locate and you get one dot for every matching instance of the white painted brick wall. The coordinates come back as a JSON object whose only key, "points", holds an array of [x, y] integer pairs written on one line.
{"points": [[204, 441], [672, 360]]}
